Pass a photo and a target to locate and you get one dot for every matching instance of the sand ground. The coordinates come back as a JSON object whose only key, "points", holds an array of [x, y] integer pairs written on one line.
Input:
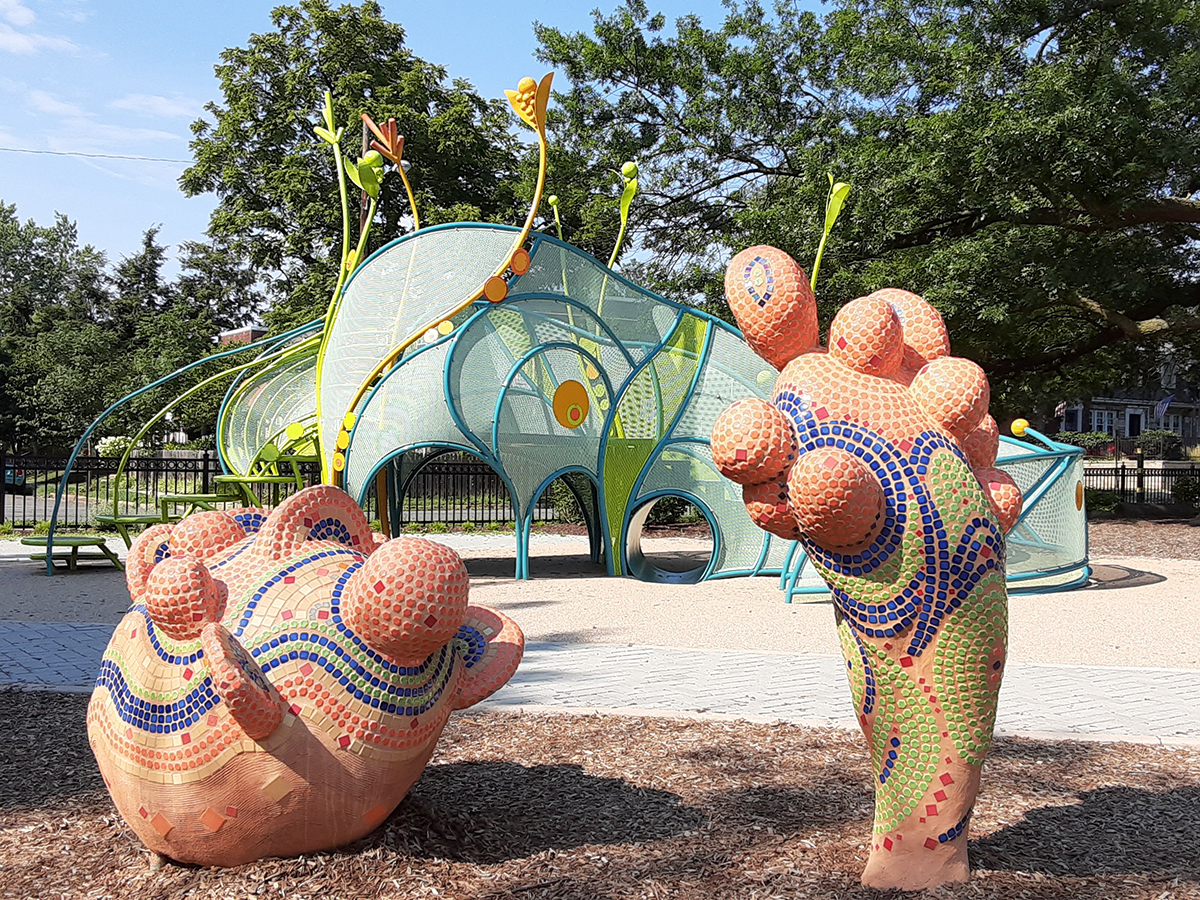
{"points": [[1138, 611]]}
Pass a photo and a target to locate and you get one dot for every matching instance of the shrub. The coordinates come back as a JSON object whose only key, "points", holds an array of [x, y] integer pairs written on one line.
{"points": [[375, 525], [114, 445], [204, 442], [1088, 440], [41, 528], [437, 528], [1186, 490], [673, 511], [6, 528], [1098, 501], [566, 507], [1159, 444], [468, 526]]}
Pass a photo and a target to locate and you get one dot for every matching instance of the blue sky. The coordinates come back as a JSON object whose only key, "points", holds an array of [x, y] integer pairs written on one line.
{"points": [[125, 77]]}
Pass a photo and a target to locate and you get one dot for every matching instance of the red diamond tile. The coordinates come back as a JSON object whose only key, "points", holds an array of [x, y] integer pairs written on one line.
{"points": [[874, 361], [306, 669], [212, 721], [287, 614], [841, 342], [187, 674], [906, 661], [133, 634], [940, 796], [887, 843], [296, 709], [931, 809], [197, 617], [740, 455], [143, 811], [323, 614], [308, 523], [887, 646], [931, 843], [186, 737], [290, 579], [430, 620], [322, 571], [231, 811], [821, 412], [946, 779], [379, 586], [344, 741]]}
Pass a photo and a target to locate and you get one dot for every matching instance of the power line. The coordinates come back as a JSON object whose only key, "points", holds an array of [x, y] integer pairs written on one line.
{"points": [[94, 155]]}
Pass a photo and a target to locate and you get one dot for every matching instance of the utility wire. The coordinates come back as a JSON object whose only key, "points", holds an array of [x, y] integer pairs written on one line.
{"points": [[94, 155]]}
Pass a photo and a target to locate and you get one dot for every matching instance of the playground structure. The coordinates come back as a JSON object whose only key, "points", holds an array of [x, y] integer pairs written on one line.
{"points": [[487, 340]]}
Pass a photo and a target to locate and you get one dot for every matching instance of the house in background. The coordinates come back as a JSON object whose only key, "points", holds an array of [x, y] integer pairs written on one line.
{"points": [[1171, 405], [247, 334]]}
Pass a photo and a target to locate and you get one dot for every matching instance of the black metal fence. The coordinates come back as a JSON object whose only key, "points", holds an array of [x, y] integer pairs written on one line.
{"points": [[1132, 484], [449, 489], [457, 488]]}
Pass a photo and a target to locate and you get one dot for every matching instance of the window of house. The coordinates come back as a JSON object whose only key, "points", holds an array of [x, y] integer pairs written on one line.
{"points": [[1071, 420], [1104, 420]]}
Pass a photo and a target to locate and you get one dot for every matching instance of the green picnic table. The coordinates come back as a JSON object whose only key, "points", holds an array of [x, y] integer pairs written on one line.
{"points": [[71, 546]]}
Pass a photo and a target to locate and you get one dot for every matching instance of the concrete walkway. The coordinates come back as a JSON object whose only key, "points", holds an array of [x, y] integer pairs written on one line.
{"points": [[1075, 702]]}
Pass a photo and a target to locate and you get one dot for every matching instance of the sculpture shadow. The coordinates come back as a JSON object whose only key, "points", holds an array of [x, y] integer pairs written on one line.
{"points": [[491, 812], [1106, 577], [1114, 830], [573, 565]]}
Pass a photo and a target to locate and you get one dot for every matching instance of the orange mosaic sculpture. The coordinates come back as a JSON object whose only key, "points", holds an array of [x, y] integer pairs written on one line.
{"points": [[280, 681], [877, 454]]}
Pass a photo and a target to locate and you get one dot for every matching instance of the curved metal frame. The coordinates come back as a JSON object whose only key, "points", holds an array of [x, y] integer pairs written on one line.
{"points": [[82, 442]]}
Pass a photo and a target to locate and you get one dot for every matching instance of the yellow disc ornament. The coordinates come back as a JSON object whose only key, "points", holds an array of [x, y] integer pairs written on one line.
{"points": [[295, 431], [1019, 426], [571, 404], [1079, 495]]}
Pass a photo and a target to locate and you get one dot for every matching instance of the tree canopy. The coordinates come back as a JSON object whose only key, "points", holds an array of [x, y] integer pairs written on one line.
{"points": [[77, 334], [276, 184], [1030, 166]]}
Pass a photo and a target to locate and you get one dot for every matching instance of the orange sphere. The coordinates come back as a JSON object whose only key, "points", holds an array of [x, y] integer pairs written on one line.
{"points": [[836, 499], [753, 442]]}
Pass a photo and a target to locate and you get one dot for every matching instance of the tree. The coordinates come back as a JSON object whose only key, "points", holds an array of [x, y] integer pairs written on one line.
{"points": [[278, 207], [1030, 166]]}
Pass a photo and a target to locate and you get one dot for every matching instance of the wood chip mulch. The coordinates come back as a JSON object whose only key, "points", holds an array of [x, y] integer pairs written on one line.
{"points": [[561, 806], [1150, 537]]}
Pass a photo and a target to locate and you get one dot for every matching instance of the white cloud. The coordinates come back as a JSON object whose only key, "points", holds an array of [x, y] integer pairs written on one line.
{"points": [[90, 136], [16, 13], [48, 103], [176, 107], [15, 20]]}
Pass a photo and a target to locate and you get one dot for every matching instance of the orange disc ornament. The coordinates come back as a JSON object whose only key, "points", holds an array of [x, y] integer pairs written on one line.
{"points": [[571, 404]]}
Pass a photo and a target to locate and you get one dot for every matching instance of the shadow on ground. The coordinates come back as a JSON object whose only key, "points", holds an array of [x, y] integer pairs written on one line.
{"points": [[491, 812], [1114, 830], [1110, 578]]}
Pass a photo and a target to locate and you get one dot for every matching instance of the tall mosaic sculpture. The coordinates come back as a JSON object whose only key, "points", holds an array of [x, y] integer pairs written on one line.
{"points": [[877, 454], [282, 679]]}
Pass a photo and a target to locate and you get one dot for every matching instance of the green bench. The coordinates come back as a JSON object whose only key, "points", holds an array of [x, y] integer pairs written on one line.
{"points": [[68, 548], [122, 523]]}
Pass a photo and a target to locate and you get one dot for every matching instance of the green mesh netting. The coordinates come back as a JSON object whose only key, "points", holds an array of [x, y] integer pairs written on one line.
{"points": [[391, 299], [262, 407]]}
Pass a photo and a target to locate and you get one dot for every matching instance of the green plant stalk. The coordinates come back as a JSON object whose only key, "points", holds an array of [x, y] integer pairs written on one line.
{"points": [[812, 282], [337, 291]]}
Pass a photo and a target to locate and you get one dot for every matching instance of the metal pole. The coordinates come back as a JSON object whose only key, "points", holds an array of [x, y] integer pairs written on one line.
{"points": [[1141, 475], [4, 483]]}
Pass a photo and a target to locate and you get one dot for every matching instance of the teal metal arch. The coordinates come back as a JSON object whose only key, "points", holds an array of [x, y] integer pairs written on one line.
{"points": [[82, 442]]}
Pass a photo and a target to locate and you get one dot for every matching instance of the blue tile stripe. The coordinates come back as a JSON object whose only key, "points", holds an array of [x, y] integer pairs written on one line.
{"points": [[156, 718]]}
